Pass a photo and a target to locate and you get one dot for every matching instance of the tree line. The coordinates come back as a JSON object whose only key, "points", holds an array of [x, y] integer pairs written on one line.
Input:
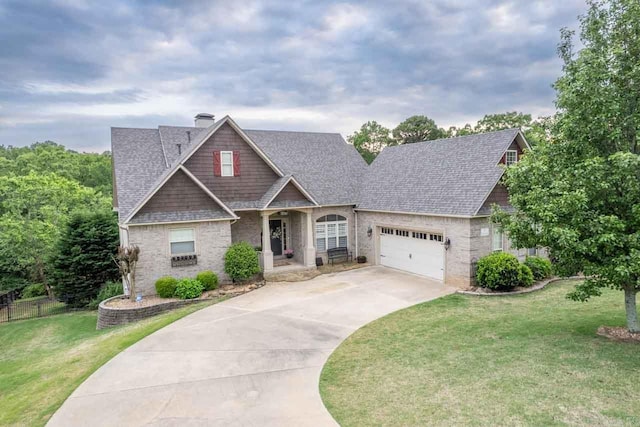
{"points": [[372, 137]]}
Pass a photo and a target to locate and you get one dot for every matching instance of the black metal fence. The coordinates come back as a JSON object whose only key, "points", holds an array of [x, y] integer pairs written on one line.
{"points": [[12, 309]]}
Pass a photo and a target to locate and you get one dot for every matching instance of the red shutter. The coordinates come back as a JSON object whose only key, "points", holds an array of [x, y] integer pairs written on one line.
{"points": [[236, 163], [217, 169]]}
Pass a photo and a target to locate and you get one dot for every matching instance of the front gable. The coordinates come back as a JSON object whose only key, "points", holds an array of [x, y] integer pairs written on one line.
{"points": [[252, 176], [290, 196]]}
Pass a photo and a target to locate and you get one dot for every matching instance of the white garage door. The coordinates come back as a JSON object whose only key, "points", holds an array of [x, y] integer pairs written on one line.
{"points": [[412, 251]]}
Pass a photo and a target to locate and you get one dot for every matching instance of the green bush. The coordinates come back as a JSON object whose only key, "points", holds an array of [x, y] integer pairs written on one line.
{"points": [[189, 289], [241, 261], [498, 271], [34, 290], [166, 287], [540, 267], [108, 290], [525, 276], [209, 280]]}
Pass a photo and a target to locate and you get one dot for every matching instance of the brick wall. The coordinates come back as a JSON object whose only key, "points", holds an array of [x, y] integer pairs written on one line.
{"points": [[108, 317]]}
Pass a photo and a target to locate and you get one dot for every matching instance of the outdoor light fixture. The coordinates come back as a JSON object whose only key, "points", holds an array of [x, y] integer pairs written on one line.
{"points": [[447, 244], [369, 232]]}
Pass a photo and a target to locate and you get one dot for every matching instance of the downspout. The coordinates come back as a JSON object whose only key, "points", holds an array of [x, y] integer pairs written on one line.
{"points": [[356, 216]]}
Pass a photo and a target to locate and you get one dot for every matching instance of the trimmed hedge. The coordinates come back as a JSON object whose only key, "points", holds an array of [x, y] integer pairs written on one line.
{"points": [[525, 276], [189, 289], [241, 261], [166, 287], [540, 267], [498, 271], [209, 279], [108, 290]]}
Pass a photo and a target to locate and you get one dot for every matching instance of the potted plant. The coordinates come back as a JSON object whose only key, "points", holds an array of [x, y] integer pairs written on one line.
{"points": [[361, 259], [289, 253]]}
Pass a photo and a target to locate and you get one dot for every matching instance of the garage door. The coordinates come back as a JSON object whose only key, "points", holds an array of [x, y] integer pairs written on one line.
{"points": [[416, 252]]}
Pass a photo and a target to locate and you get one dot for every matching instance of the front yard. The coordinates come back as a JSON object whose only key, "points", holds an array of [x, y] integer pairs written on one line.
{"points": [[463, 360], [43, 360]]}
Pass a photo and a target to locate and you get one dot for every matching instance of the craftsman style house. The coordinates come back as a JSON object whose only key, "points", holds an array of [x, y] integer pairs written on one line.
{"points": [[185, 194]]}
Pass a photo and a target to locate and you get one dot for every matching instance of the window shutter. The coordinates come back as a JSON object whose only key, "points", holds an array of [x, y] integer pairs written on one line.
{"points": [[217, 169], [236, 163]]}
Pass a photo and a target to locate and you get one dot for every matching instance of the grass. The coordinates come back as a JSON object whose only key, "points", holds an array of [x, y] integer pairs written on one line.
{"points": [[43, 360], [484, 361]]}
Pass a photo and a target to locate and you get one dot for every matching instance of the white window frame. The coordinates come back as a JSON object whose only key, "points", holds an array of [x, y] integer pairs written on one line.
{"points": [[506, 158], [494, 247], [223, 164], [193, 232], [535, 251], [325, 225]]}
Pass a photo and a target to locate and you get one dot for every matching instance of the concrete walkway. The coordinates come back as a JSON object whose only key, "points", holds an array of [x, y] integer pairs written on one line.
{"points": [[254, 360]]}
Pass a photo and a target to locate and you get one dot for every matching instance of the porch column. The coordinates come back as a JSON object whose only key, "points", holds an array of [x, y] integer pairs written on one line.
{"points": [[267, 255], [309, 250]]}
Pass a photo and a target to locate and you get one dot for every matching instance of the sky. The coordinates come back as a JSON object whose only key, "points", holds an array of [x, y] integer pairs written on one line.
{"points": [[71, 69]]}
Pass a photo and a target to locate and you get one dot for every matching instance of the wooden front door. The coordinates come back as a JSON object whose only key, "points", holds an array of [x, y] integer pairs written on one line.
{"points": [[275, 228]]}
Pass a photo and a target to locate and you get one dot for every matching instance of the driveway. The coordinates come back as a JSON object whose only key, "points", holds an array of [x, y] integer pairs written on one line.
{"points": [[254, 360]]}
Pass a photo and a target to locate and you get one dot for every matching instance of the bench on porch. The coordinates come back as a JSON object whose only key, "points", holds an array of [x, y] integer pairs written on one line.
{"points": [[338, 254]]}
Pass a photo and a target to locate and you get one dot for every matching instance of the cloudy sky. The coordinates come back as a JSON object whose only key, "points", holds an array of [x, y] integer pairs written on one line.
{"points": [[70, 69]]}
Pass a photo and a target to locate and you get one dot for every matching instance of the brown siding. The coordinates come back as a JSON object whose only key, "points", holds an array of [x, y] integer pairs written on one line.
{"points": [[289, 193], [499, 196], [256, 176], [179, 194], [514, 146]]}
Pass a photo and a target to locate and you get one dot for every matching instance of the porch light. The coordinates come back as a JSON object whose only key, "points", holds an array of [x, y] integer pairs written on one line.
{"points": [[447, 244], [369, 231]]}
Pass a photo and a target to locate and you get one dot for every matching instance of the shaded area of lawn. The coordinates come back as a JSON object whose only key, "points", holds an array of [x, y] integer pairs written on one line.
{"points": [[43, 360], [463, 360]]}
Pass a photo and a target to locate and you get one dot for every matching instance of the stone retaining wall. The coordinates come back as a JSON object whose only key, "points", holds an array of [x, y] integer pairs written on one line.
{"points": [[108, 317]]}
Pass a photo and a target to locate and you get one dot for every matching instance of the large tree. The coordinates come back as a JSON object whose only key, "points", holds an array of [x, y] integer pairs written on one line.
{"points": [[579, 195], [371, 139], [417, 129]]}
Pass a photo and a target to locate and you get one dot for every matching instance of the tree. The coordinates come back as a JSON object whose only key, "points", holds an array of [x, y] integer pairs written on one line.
{"points": [[417, 129], [371, 139], [580, 194], [508, 120], [84, 256]]}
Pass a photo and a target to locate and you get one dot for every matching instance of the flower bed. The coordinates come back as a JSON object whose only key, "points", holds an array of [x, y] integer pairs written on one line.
{"points": [[476, 290]]}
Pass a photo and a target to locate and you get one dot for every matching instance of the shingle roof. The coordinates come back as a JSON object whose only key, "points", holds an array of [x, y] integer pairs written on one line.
{"points": [[444, 177], [151, 217], [323, 163]]}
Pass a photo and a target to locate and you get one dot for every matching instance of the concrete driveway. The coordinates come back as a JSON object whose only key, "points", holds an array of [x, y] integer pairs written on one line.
{"points": [[253, 360]]}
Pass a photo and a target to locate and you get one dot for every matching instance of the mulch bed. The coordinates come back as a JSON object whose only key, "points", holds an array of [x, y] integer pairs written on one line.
{"points": [[618, 334]]}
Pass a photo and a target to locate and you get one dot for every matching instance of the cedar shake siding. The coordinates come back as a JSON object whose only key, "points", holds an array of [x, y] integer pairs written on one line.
{"points": [[180, 194], [256, 176], [290, 193]]}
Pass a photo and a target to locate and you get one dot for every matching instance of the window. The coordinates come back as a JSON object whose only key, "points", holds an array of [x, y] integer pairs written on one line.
{"points": [[331, 232], [532, 251], [511, 157], [435, 237], [226, 162], [497, 239], [403, 233], [416, 235], [182, 241], [386, 230]]}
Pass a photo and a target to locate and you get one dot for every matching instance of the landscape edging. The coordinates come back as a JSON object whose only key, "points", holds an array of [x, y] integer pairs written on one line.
{"points": [[536, 287]]}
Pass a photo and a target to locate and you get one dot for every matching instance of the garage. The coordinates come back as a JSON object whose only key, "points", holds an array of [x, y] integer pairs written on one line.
{"points": [[417, 252]]}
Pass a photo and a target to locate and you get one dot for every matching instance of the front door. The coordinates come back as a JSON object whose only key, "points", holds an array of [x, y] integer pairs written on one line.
{"points": [[275, 228]]}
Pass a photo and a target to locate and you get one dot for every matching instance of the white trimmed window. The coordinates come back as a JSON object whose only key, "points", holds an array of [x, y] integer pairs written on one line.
{"points": [[532, 251], [496, 244], [511, 157], [331, 232], [182, 240], [226, 163]]}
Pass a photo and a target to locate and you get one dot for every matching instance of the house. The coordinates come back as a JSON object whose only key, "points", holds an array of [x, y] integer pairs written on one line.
{"points": [[185, 194]]}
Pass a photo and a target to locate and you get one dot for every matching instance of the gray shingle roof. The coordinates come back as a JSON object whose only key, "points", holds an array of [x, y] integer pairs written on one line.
{"points": [[444, 177], [323, 163], [151, 217]]}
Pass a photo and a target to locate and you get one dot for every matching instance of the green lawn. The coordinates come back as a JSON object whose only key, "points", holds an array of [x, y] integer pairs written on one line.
{"points": [[463, 360], [43, 360]]}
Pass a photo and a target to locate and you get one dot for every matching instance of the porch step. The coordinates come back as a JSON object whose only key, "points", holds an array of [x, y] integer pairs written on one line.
{"points": [[292, 275]]}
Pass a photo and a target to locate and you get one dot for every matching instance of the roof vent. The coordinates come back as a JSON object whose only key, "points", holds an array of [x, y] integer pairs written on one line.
{"points": [[204, 120]]}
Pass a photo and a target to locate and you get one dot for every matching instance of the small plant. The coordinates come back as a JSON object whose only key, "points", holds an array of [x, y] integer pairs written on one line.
{"points": [[166, 287], [498, 271], [209, 280], [34, 290], [108, 290], [525, 276], [189, 289], [361, 259], [289, 253], [540, 267], [241, 261]]}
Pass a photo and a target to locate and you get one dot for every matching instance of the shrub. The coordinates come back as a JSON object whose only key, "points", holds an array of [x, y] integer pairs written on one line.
{"points": [[34, 290], [498, 271], [540, 267], [241, 261], [84, 256], [166, 287], [525, 276], [108, 290], [209, 280], [189, 289]]}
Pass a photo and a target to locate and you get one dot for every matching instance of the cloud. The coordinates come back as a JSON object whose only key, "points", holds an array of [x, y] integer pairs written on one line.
{"points": [[71, 68]]}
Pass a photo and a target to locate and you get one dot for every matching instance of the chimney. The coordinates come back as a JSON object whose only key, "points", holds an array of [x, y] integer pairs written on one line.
{"points": [[204, 120]]}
